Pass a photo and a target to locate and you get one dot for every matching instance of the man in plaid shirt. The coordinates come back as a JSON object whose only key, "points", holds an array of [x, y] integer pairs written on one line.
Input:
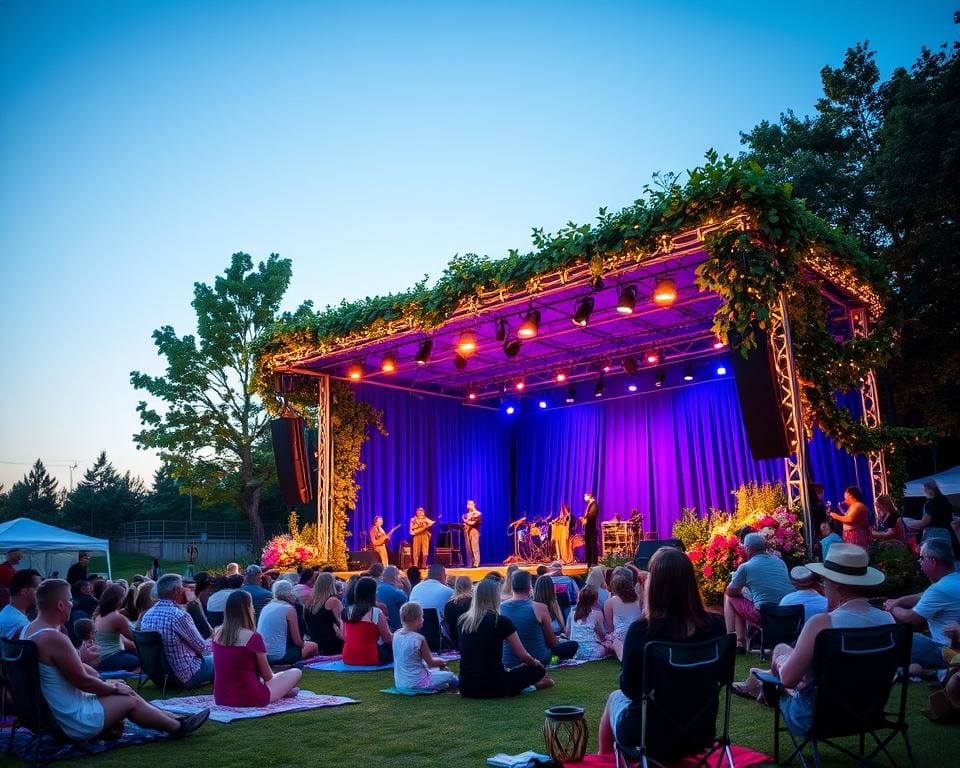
{"points": [[181, 640]]}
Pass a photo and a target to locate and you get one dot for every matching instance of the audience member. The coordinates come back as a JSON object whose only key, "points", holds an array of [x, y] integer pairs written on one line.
{"points": [[675, 613], [938, 605], [146, 599], [16, 614], [83, 599], [217, 602], [113, 634], [433, 592], [305, 583], [366, 636], [182, 643], [585, 625], [545, 593], [86, 642], [506, 590], [391, 596], [623, 607], [204, 587], [936, 522], [375, 571], [97, 587], [243, 676], [414, 666], [252, 583], [482, 633], [765, 577], [349, 590], [846, 579], [563, 583], [806, 593], [9, 567], [828, 535], [78, 570], [532, 622], [280, 630], [597, 578], [890, 525], [413, 576], [232, 569], [322, 613], [456, 606], [83, 705]]}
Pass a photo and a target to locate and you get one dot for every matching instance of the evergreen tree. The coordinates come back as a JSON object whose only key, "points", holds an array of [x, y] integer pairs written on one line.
{"points": [[103, 500], [37, 496]]}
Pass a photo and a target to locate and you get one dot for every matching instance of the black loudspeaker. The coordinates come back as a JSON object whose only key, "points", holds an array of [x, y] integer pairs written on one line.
{"points": [[759, 392], [292, 459], [361, 560], [645, 550]]}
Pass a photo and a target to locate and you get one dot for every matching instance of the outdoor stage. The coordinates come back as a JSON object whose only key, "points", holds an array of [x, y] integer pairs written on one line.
{"points": [[475, 574]]}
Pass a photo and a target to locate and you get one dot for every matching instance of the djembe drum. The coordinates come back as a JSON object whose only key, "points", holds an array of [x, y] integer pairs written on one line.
{"points": [[565, 733]]}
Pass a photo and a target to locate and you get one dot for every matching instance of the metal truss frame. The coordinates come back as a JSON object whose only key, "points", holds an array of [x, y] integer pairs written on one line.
{"points": [[869, 397], [324, 469]]}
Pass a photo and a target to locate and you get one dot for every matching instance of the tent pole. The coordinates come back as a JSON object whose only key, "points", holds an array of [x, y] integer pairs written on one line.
{"points": [[109, 570]]}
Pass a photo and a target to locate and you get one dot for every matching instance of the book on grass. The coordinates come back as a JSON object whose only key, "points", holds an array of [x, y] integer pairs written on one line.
{"points": [[515, 761]]}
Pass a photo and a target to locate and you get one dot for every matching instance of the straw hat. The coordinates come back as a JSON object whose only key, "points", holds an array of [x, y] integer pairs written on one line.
{"points": [[848, 564]]}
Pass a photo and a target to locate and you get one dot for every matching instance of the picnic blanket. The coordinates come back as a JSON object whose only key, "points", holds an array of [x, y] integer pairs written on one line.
{"points": [[742, 758], [317, 660], [576, 662], [410, 691], [120, 674], [24, 745], [304, 700], [339, 666]]}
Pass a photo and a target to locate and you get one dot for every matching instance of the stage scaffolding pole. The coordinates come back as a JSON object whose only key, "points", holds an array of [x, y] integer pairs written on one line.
{"points": [[795, 465], [860, 328], [324, 470]]}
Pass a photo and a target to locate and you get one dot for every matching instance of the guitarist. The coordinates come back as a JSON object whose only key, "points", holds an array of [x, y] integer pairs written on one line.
{"points": [[379, 539], [471, 524], [420, 526]]}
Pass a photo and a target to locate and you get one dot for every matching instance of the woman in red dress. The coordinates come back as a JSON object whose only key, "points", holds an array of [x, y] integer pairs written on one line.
{"points": [[856, 524], [242, 674]]}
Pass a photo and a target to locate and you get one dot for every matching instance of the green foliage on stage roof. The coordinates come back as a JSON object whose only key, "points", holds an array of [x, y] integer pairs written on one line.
{"points": [[767, 245]]}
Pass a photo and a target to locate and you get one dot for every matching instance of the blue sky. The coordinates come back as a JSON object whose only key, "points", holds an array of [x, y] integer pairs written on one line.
{"points": [[141, 143]]}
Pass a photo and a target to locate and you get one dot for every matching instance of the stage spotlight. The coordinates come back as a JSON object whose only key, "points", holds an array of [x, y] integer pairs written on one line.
{"points": [[571, 393], [721, 370], [598, 387], [631, 386], [665, 293], [459, 361], [472, 393], [501, 329], [718, 344], [510, 409], [355, 371], [542, 403], [688, 373], [530, 325], [389, 363], [653, 357], [661, 377], [627, 299], [605, 366], [560, 377], [511, 347], [581, 315], [520, 385], [629, 364], [423, 351], [467, 343]]}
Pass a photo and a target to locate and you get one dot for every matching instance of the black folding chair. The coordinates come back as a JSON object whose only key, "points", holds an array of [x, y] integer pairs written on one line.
{"points": [[680, 703], [854, 673], [215, 618], [154, 663], [21, 669], [431, 629], [779, 624]]}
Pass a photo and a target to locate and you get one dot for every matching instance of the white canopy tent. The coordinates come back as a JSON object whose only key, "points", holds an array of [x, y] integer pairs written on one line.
{"points": [[948, 480], [46, 547]]}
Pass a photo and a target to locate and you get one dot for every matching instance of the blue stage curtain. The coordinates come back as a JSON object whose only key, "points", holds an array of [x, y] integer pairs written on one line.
{"points": [[438, 454]]}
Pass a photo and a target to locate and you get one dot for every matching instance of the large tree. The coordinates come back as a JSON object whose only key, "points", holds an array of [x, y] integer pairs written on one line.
{"points": [[103, 500], [882, 161], [212, 426], [37, 496]]}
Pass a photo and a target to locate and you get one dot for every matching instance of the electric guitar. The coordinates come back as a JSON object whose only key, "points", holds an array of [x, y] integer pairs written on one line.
{"points": [[382, 540]]}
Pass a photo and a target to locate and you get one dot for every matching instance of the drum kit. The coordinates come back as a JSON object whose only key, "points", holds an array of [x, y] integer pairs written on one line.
{"points": [[531, 541]]}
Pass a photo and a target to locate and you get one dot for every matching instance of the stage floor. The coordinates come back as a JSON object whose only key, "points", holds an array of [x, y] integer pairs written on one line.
{"points": [[475, 574]]}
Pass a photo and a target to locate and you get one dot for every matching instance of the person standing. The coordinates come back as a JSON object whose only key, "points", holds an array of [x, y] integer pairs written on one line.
{"points": [[856, 522], [378, 540], [590, 517], [78, 571], [560, 535], [9, 566], [471, 521], [420, 530]]}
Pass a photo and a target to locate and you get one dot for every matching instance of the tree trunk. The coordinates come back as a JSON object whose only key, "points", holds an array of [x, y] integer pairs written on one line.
{"points": [[250, 501]]}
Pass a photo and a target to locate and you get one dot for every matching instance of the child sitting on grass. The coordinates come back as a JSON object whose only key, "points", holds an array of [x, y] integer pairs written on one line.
{"points": [[413, 664], [585, 625]]}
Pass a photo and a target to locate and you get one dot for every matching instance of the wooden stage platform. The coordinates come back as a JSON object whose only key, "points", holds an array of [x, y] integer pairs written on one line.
{"points": [[574, 569]]}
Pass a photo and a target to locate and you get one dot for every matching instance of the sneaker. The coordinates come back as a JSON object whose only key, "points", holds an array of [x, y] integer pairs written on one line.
{"points": [[191, 723]]}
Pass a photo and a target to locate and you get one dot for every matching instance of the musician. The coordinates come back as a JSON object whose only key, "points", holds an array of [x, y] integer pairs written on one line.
{"points": [[471, 524], [590, 518], [379, 538], [560, 534], [420, 531]]}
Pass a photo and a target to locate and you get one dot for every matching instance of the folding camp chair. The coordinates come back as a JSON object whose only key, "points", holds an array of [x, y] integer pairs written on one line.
{"points": [[154, 663], [779, 624]]}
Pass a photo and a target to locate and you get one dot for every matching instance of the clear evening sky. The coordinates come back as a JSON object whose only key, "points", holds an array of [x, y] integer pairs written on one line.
{"points": [[141, 143]]}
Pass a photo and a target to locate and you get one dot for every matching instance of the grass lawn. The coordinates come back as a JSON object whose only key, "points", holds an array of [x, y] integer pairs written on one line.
{"points": [[445, 730], [126, 565]]}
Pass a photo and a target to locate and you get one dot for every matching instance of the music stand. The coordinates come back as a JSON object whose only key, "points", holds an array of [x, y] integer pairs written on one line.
{"points": [[453, 533]]}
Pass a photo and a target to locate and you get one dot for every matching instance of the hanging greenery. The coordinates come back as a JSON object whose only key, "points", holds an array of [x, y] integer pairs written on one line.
{"points": [[747, 266]]}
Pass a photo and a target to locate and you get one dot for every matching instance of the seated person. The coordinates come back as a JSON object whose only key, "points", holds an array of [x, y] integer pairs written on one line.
{"points": [[252, 583], [846, 582], [83, 705], [532, 622], [243, 676], [83, 599], [597, 578], [279, 628], [506, 588], [433, 591], [217, 602], [305, 583], [938, 605], [482, 632], [889, 522], [675, 613], [563, 583], [23, 601], [366, 637], [391, 596], [113, 634], [182, 643], [586, 627], [413, 664], [807, 593], [622, 608], [829, 534], [322, 613], [765, 577], [456, 606], [86, 642], [545, 593]]}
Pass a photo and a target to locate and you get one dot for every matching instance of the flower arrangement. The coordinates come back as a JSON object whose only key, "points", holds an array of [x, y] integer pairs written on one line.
{"points": [[288, 551], [714, 563], [782, 530]]}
